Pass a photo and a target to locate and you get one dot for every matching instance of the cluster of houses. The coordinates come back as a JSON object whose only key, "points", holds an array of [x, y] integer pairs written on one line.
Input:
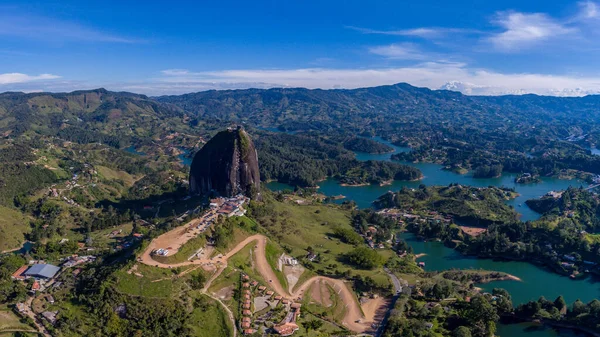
{"points": [[73, 183], [229, 206], [44, 273], [263, 299], [571, 263], [74, 260], [401, 217]]}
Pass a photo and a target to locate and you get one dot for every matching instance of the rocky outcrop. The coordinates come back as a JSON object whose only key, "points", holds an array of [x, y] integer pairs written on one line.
{"points": [[226, 165]]}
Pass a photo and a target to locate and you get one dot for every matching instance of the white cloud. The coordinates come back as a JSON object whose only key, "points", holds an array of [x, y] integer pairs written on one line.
{"points": [[423, 32], [588, 10], [400, 51], [13, 78], [431, 74], [174, 72], [524, 30], [48, 29]]}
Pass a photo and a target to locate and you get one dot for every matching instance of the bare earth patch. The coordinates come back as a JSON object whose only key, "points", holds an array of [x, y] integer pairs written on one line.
{"points": [[319, 293], [292, 274], [374, 309], [261, 302], [225, 293], [473, 231]]}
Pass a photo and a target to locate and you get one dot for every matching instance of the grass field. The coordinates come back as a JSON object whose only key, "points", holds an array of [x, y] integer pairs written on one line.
{"points": [[244, 229], [110, 174], [334, 313], [313, 225], [244, 261], [273, 252], [229, 277], [145, 286], [101, 238], [212, 322], [10, 321], [13, 227], [326, 329], [310, 226]]}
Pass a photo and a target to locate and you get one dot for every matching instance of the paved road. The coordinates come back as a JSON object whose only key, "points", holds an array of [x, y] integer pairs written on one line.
{"points": [[395, 281], [398, 288]]}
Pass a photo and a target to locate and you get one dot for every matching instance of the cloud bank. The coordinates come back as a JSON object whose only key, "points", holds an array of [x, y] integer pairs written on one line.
{"points": [[14, 78]]}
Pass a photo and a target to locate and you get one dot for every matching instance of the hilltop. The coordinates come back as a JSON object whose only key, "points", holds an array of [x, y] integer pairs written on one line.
{"points": [[226, 164]]}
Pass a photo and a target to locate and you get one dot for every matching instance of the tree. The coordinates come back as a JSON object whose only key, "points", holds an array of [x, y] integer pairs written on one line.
{"points": [[560, 304], [579, 308], [482, 316], [313, 324], [365, 258], [461, 331], [197, 281], [503, 301]]}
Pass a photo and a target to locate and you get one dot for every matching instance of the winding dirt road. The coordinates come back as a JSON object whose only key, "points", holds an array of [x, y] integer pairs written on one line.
{"points": [[353, 313]]}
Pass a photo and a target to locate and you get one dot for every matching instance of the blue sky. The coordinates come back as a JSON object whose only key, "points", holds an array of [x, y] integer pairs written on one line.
{"points": [[487, 47]]}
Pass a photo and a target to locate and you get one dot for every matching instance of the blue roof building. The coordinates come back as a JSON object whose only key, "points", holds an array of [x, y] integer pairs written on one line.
{"points": [[42, 271]]}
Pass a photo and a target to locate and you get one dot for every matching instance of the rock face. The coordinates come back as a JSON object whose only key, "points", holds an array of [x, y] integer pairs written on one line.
{"points": [[227, 165]]}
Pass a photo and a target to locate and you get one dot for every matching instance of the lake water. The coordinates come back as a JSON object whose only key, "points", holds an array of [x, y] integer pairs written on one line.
{"points": [[536, 281], [533, 330], [184, 157], [132, 149], [435, 175]]}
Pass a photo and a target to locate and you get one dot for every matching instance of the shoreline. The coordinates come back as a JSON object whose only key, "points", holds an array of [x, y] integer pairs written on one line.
{"points": [[514, 319], [354, 185]]}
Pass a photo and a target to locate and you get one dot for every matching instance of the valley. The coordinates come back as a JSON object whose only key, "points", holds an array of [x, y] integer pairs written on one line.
{"points": [[124, 198]]}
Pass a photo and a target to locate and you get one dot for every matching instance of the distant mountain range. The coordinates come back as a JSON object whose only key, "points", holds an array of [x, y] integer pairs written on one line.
{"points": [[474, 89], [389, 107]]}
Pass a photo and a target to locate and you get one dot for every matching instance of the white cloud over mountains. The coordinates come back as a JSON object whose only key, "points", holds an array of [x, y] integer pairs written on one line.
{"points": [[13, 78], [433, 75]]}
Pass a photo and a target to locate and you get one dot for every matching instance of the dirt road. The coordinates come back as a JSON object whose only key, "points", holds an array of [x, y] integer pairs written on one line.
{"points": [[36, 320], [353, 311]]}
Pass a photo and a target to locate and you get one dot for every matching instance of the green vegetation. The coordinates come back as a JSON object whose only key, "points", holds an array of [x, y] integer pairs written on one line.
{"points": [[10, 321], [335, 309], [304, 160], [18, 174], [360, 144], [559, 239], [64, 175], [272, 253], [364, 258], [11, 291], [471, 205], [579, 315], [209, 319], [348, 235], [154, 282], [439, 308], [13, 228]]}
